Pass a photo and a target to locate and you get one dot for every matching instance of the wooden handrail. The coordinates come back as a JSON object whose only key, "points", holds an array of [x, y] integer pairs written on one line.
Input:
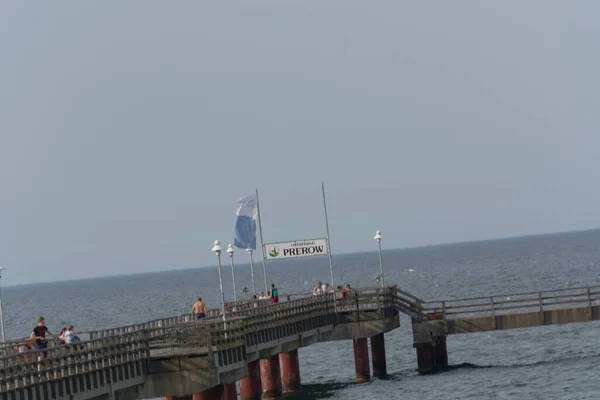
{"points": [[511, 295], [539, 302]]}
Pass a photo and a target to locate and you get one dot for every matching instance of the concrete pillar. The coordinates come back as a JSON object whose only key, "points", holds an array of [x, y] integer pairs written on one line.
{"points": [[214, 393], [270, 378], [425, 361], [378, 356], [440, 354], [361, 360], [290, 372], [250, 386], [230, 391]]}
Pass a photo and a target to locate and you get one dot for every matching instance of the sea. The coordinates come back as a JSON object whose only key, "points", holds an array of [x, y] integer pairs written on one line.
{"points": [[553, 362]]}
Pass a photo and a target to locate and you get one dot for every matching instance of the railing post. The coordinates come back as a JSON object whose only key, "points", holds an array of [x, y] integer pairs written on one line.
{"points": [[493, 313], [589, 294], [541, 301], [210, 347], [444, 310]]}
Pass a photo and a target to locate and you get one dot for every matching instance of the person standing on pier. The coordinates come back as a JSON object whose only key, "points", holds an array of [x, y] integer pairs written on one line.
{"points": [[39, 335], [274, 294], [318, 289], [199, 309]]}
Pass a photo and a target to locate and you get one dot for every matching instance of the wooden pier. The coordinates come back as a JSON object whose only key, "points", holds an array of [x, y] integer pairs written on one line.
{"points": [[258, 342], [497, 312]]}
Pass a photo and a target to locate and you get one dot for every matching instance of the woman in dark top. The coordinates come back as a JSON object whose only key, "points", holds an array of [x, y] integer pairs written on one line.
{"points": [[39, 334]]}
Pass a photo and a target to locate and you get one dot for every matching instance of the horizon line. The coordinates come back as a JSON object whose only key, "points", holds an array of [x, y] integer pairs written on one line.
{"points": [[449, 243]]}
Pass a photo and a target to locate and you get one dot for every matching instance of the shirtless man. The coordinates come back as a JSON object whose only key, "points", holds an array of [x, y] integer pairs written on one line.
{"points": [[199, 309]]}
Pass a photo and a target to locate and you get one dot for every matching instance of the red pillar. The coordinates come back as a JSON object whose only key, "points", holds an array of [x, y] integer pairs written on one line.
{"points": [[361, 360], [250, 386], [229, 391], [270, 378], [425, 361], [290, 372], [440, 354], [378, 356], [214, 393]]}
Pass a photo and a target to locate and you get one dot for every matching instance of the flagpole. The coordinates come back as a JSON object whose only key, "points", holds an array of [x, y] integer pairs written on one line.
{"points": [[262, 244], [252, 270], [327, 230]]}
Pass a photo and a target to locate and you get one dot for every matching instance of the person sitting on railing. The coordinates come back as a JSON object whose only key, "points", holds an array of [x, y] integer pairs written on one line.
{"points": [[70, 337], [61, 336]]}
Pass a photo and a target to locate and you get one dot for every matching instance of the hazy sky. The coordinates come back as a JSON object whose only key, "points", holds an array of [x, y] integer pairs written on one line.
{"points": [[127, 129]]}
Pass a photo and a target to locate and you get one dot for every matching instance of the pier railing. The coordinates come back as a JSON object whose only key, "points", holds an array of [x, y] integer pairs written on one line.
{"points": [[358, 299], [541, 301], [223, 342], [24, 369], [365, 298]]}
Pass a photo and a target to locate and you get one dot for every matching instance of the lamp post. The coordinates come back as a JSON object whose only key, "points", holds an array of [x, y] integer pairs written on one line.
{"points": [[1, 314], [230, 252], [217, 250], [252, 271], [378, 238]]}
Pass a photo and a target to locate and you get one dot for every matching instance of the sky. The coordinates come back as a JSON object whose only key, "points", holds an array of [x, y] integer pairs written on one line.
{"points": [[128, 129]]}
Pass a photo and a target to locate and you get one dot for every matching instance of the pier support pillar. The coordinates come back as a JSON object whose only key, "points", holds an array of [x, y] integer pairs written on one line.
{"points": [[270, 378], [250, 386], [214, 393], [425, 360], [429, 338], [361, 360], [440, 354], [378, 356], [290, 372], [229, 391]]}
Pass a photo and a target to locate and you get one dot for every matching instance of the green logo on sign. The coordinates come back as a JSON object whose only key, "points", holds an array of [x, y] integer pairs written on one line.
{"points": [[273, 251]]}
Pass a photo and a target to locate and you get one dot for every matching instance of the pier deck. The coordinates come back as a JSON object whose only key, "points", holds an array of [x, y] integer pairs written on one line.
{"points": [[517, 310], [179, 356], [176, 357]]}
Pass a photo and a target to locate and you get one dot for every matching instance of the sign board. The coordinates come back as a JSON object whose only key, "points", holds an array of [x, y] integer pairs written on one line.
{"points": [[297, 248]]}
